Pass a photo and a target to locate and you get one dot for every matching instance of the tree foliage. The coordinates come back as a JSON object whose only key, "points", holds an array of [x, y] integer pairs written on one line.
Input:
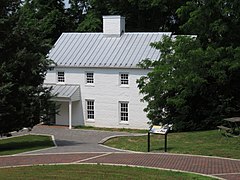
{"points": [[23, 66], [195, 83], [47, 19], [141, 15], [214, 21], [190, 86], [91, 23]]}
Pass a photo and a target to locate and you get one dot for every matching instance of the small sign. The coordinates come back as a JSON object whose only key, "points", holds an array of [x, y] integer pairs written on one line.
{"points": [[159, 129]]}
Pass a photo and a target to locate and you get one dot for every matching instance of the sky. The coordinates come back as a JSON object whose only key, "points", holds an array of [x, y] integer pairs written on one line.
{"points": [[66, 3]]}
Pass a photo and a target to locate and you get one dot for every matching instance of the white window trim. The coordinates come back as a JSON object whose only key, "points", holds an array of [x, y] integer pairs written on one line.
{"points": [[57, 77], [120, 82], [89, 84], [86, 110], [119, 113]]}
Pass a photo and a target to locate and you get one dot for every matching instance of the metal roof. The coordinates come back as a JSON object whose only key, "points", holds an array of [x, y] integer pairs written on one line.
{"points": [[98, 50], [65, 91]]}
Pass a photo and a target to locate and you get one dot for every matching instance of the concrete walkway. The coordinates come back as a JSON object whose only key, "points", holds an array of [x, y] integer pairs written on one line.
{"points": [[81, 146], [74, 140]]}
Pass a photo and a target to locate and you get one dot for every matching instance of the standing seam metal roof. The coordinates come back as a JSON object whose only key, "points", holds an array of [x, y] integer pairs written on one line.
{"points": [[63, 91], [98, 50]]}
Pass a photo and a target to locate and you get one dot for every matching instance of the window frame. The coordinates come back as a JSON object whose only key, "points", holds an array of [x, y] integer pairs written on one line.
{"points": [[63, 77], [122, 79], [91, 109], [92, 79], [123, 113]]}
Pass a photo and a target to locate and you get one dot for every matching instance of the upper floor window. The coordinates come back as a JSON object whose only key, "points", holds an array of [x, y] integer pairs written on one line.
{"points": [[124, 111], [60, 76], [90, 78], [124, 79], [90, 109]]}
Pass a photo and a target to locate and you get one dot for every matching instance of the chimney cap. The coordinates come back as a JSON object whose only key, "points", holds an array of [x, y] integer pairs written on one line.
{"points": [[112, 16]]}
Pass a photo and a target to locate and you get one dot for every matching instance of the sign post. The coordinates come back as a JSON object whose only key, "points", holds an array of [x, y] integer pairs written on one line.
{"points": [[162, 130], [148, 141], [165, 144]]}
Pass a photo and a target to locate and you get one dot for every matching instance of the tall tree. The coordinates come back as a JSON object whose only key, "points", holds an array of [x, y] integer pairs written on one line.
{"points": [[91, 23], [195, 83], [141, 15], [214, 21], [191, 86], [84, 17], [48, 18], [23, 65]]}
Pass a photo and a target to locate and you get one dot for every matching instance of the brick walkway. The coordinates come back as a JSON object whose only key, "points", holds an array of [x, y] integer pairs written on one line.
{"points": [[218, 167]]}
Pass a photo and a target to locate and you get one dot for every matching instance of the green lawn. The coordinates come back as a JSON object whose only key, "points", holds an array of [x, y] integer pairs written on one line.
{"points": [[99, 172], [209, 143], [24, 143]]}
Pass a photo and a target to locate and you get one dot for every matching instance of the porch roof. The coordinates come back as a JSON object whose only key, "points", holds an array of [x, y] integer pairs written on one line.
{"points": [[64, 92]]}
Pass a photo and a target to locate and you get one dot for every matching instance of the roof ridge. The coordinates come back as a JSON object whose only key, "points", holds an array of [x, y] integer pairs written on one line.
{"points": [[120, 36]]}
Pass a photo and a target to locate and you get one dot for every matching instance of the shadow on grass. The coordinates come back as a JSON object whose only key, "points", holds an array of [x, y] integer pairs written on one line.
{"points": [[24, 145], [38, 144]]}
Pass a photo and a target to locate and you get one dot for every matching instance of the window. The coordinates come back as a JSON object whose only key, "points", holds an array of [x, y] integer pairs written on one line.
{"points": [[124, 111], [60, 77], [90, 109], [89, 78], [123, 78]]}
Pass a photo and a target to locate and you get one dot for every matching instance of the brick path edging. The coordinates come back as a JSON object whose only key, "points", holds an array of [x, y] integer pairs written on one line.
{"points": [[217, 167], [157, 168]]}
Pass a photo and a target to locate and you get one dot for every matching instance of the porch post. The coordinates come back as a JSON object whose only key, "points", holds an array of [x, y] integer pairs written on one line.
{"points": [[70, 114]]}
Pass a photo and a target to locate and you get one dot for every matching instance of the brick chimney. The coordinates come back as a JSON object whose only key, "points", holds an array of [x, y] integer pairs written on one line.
{"points": [[113, 26]]}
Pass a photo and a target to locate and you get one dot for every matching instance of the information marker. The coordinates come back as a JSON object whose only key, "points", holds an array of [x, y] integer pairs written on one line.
{"points": [[162, 130]]}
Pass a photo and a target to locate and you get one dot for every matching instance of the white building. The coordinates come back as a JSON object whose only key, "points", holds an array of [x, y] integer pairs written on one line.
{"points": [[95, 76]]}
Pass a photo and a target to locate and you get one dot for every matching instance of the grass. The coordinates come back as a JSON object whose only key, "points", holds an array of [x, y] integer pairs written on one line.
{"points": [[99, 172], [209, 143], [25, 143], [111, 129]]}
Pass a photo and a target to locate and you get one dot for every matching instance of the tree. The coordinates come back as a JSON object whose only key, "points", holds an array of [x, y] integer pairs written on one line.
{"points": [[195, 83], [214, 21], [23, 65], [141, 15], [190, 86], [149, 15], [47, 18], [91, 23]]}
